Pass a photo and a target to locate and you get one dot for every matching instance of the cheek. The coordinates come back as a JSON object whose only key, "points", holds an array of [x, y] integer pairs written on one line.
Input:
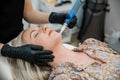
{"points": [[43, 41], [48, 42], [40, 41], [57, 39]]}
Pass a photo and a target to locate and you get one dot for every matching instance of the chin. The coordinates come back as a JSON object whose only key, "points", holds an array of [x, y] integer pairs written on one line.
{"points": [[58, 37], [56, 40]]}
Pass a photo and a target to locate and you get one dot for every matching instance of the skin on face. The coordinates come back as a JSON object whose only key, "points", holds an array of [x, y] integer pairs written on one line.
{"points": [[42, 36]]}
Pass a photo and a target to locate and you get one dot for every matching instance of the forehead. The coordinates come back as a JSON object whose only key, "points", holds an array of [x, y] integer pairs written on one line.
{"points": [[33, 28], [29, 30]]}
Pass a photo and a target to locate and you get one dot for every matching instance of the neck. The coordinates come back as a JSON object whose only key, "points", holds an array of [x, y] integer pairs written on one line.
{"points": [[62, 55]]}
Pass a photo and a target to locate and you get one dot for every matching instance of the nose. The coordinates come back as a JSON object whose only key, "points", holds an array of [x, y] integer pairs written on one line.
{"points": [[45, 28]]}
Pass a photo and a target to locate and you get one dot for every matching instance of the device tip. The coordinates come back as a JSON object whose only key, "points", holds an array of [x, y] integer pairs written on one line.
{"points": [[63, 28]]}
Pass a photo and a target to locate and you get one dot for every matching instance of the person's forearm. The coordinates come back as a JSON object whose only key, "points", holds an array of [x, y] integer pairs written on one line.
{"points": [[37, 17], [34, 16], [1, 45]]}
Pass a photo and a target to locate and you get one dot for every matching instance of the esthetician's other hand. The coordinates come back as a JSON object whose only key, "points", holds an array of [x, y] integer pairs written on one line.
{"points": [[31, 53], [60, 18]]}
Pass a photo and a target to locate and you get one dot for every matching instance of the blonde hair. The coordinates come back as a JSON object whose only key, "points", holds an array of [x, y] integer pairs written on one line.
{"points": [[22, 70], [17, 41]]}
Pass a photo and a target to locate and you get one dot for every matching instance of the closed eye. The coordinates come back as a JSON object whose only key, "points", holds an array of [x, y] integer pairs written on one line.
{"points": [[36, 34]]}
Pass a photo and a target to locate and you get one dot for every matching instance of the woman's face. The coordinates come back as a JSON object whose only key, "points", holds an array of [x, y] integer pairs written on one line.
{"points": [[42, 36]]}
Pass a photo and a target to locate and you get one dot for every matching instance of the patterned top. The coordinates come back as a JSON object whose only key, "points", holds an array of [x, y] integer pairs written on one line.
{"points": [[108, 70]]}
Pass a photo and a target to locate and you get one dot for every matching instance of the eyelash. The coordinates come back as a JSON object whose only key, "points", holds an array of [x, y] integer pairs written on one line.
{"points": [[36, 35]]}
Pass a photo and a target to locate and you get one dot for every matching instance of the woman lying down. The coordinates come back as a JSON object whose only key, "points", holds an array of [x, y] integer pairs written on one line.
{"points": [[92, 60]]}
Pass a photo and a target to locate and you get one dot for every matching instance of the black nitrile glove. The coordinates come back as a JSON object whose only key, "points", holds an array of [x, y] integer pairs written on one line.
{"points": [[60, 18], [31, 53]]}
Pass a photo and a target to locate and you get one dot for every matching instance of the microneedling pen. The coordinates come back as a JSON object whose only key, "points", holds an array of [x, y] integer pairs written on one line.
{"points": [[72, 14]]}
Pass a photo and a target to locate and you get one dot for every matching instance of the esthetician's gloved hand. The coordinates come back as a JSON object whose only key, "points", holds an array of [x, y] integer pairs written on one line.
{"points": [[60, 18], [31, 53]]}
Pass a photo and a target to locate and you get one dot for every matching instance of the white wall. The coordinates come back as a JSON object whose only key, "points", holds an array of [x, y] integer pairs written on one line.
{"points": [[112, 23]]}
